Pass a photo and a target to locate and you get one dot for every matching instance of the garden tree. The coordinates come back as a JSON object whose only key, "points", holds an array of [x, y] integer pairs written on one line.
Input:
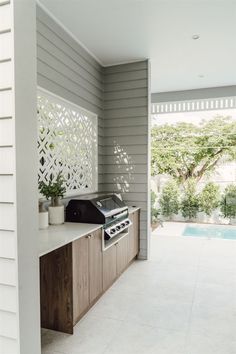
{"points": [[190, 200], [187, 150], [209, 198], [169, 199]]}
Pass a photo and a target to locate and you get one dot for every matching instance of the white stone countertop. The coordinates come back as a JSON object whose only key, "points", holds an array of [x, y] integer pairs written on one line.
{"points": [[60, 235]]}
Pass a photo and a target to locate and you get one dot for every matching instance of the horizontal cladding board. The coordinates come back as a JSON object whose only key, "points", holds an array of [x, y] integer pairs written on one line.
{"points": [[8, 324], [125, 159], [142, 205], [125, 178], [126, 76], [127, 131], [126, 112], [8, 345], [7, 216], [126, 94], [7, 244], [121, 169], [5, 46], [6, 103], [8, 298], [75, 75], [134, 197], [64, 81], [120, 187], [6, 160], [126, 103], [67, 44], [48, 47], [129, 149], [126, 85], [7, 189], [126, 67], [5, 17], [7, 272], [125, 122], [122, 141], [67, 93], [6, 74], [6, 134]]}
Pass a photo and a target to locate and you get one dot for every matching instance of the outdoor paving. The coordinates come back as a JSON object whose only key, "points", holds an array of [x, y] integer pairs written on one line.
{"points": [[181, 301]]}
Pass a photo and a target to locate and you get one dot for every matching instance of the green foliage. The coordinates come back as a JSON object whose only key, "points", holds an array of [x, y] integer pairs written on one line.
{"points": [[209, 198], [190, 200], [53, 190], [154, 211], [169, 199], [186, 150], [228, 202]]}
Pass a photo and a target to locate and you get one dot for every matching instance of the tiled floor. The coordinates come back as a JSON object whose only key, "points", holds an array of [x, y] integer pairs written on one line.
{"points": [[182, 301]]}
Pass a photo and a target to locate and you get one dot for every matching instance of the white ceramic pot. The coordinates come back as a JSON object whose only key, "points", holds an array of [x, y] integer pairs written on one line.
{"points": [[43, 220], [56, 215]]}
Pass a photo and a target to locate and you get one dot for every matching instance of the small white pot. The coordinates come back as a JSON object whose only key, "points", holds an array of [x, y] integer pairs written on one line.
{"points": [[43, 220], [56, 215]]}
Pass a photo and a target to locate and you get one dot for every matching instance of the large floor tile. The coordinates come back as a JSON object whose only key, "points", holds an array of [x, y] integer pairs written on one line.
{"points": [[91, 336], [205, 343], [138, 339], [171, 315]]}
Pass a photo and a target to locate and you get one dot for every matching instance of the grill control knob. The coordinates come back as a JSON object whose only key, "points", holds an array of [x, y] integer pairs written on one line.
{"points": [[118, 227], [112, 231], [127, 222], [123, 224]]}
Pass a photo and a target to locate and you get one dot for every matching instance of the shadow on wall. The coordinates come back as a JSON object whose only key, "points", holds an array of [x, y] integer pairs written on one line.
{"points": [[125, 168]]}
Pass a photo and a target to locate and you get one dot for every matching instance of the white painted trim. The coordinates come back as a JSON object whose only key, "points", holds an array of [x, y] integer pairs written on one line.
{"points": [[54, 18], [208, 104], [125, 62]]}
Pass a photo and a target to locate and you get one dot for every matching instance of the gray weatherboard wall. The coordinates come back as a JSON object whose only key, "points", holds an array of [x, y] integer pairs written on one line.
{"points": [[67, 70], [126, 138], [119, 95]]}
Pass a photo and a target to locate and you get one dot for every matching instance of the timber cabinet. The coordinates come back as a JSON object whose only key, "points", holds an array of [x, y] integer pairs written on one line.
{"points": [[74, 276]]}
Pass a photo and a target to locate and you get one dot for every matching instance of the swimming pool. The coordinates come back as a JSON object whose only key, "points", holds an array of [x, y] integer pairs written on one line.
{"points": [[210, 231]]}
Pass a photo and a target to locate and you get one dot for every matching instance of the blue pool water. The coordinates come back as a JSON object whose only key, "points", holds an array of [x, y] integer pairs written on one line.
{"points": [[225, 232]]}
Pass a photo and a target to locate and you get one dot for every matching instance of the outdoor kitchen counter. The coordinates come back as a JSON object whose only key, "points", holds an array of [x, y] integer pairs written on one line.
{"points": [[60, 235]]}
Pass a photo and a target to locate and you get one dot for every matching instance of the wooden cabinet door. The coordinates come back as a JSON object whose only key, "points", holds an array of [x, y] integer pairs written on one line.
{"points": [[122, 254], [56, 290], [95, 265], [131, 239], [136, 222], [109, 267], [80, 277]]}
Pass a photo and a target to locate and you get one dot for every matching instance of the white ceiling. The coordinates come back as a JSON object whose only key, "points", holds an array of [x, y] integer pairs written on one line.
{"points": [[118, 31]]}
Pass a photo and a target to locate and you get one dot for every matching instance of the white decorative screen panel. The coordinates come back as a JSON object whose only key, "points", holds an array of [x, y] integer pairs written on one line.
{"points": [[67, 143]]}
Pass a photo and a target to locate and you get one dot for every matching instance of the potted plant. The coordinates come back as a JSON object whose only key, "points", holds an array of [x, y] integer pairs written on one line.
{"points": [[43, 216], [55, 191], [228, 203]]}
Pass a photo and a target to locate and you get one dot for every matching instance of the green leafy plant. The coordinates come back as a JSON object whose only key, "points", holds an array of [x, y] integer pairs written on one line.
{"points": [[228, 202], [53, 190], [187, 150], [209, 198], [169, 199], [190, 200], [154, 211]]}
